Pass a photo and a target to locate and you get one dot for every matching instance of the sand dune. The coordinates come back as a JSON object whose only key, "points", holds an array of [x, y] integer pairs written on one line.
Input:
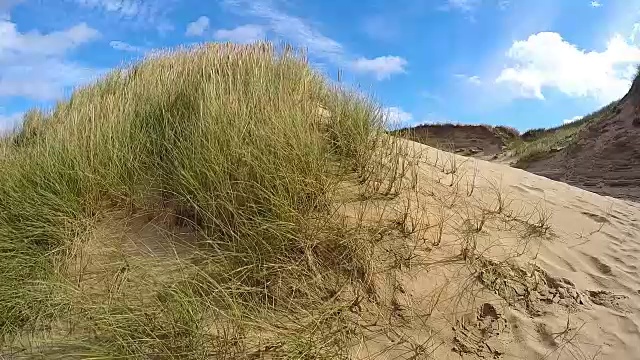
{"points": [[478, 140], [604, 157], [566, 289], [172, 214]]}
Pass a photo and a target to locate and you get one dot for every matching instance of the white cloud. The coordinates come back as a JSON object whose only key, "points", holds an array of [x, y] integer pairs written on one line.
{"points": [[123, 46], [242, 34], [569, 121], [546, 60], [198, 27], [44, 80], [595, 3], [33, 65], [396, 116], [33, 43], [382, 67], [300, 33]]}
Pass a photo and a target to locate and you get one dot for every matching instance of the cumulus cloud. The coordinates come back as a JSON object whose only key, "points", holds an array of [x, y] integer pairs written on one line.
{"points": [[242, 34], [33, 43], [382, 67], [198, 27], [33, 65], [546, 60]]}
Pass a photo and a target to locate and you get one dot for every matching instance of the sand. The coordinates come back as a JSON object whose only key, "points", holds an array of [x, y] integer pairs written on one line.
{"points": [[566, 287]]}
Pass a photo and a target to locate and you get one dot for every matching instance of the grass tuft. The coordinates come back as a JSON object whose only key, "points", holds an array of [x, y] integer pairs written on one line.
{"points": [[241, 147]]}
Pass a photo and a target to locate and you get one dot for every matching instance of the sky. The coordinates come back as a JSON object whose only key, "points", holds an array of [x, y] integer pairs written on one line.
{"points": [[521, 63]]}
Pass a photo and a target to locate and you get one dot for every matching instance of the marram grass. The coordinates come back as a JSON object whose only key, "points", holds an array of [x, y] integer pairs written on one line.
{"points": [[241, 145]]}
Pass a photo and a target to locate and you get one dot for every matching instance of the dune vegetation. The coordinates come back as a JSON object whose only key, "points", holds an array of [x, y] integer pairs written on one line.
{"points": [[182, 207], [227, 201]]}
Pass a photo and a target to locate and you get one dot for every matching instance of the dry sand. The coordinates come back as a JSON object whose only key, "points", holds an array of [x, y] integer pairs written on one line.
{"points": [[508, 286]]}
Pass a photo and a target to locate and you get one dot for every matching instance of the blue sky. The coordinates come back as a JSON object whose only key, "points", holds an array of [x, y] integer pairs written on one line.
{"points": [[522, 63]]}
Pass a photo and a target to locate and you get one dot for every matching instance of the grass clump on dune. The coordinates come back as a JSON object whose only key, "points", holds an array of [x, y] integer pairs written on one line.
{"points": [[241, 148]]}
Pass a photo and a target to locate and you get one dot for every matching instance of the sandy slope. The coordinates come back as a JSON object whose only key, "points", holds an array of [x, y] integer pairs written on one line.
{"points": [[605, 261], [572, 292], [605, 157]]}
